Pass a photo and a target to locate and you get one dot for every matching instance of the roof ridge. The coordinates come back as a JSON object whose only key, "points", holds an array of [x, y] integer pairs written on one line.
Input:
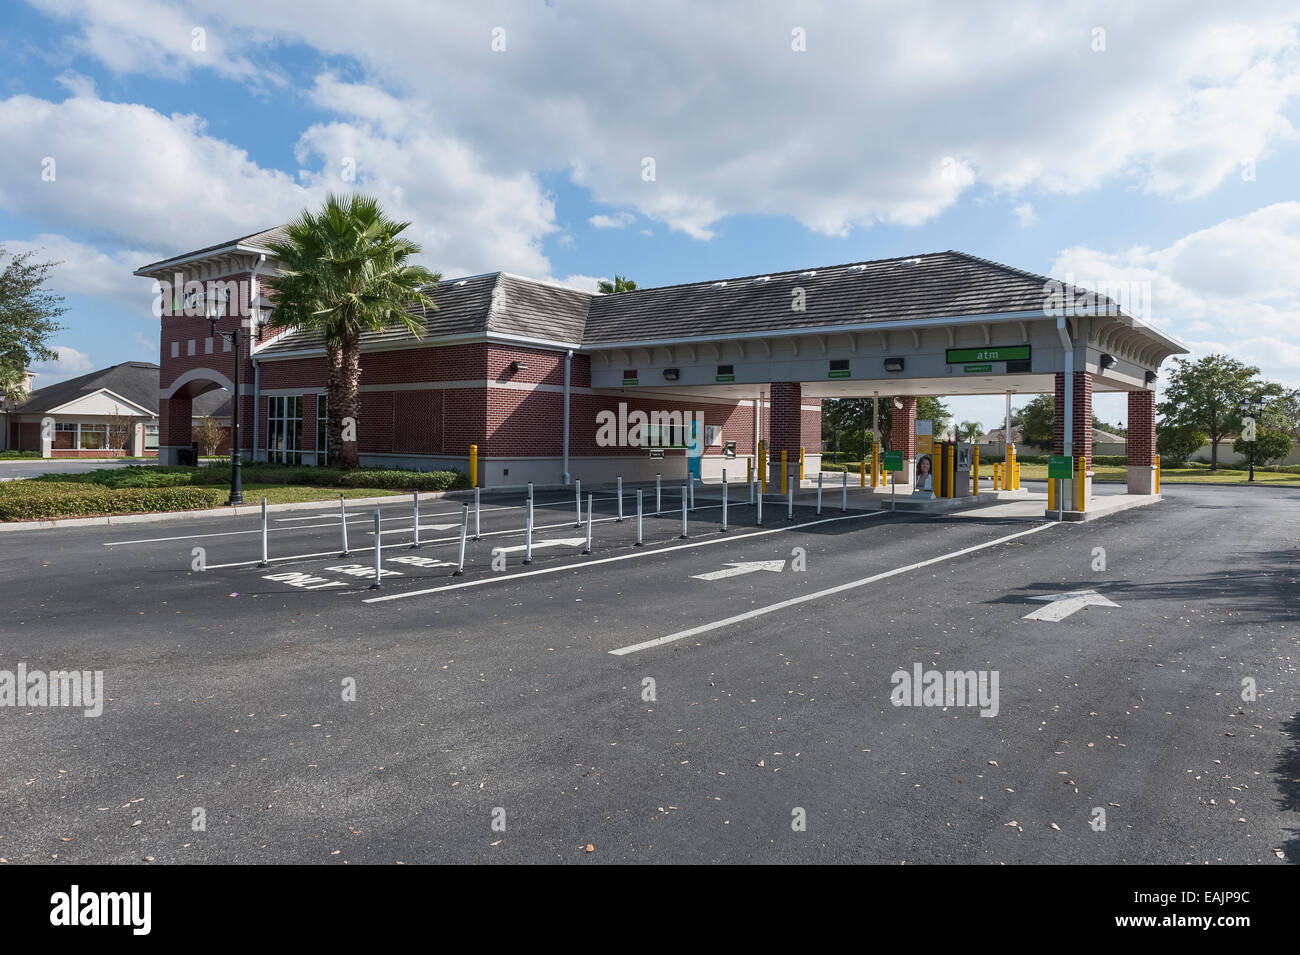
{"points": [[794, 271]]}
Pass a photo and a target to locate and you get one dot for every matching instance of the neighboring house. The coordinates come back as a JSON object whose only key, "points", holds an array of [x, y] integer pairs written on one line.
{"points": [[85, 411], [1103, 442]]}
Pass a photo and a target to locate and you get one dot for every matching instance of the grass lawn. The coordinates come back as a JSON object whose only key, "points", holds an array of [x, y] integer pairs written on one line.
{"points": [[295, 493], [1192, 474]]}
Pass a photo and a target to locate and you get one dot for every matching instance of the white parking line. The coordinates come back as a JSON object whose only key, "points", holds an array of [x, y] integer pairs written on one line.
{"points": [[829, 591], [582, 565]]}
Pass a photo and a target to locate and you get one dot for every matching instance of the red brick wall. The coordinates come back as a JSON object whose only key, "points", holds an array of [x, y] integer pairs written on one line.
{"points": [[902, 428], [1082, 419], [786, 425], [1141, 427]]}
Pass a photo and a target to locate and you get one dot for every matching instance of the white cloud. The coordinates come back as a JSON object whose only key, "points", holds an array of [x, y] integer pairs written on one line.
{"points": [[84, 269], [1009, 95], [69, 364], [1025, 214], [1232, 287], [620, 221], [584, 283]]}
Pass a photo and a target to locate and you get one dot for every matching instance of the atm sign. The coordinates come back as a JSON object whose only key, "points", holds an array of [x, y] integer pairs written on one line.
{"points": [[959, 356]]}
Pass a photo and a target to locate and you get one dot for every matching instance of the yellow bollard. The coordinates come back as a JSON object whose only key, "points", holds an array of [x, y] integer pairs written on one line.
{"points": [[951, 458], [997, 472], [473, 465], [1017, 475], [1009, 469], [762, 467], [1051, 494], [1080, 481], [749, 473], [875, 465], [783, 485], [862, 473], [975, 471], [1157, 474], [801, 456]]}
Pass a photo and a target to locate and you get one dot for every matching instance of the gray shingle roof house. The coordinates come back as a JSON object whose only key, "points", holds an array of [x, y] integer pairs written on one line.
{"points": [[82, 407]]}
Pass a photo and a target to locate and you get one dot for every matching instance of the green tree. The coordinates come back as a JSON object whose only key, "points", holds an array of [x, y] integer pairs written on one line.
{"points": [[848, 421], [1271, 445], [27, 319], [1178, 442], [1206, 395], [345, 270], [969, 430], [1038, 422], [621, 283]]}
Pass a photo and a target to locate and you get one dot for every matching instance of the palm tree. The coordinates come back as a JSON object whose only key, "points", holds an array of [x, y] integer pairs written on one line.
{"points": [[969, 430], [621, 283], [345, 270]]}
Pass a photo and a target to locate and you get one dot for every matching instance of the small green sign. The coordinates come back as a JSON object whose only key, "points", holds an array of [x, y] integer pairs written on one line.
{"points": [[1060, 466], [838, 373], [977, 369], [629, 381], [892, 460], [957, 356], [722, 379]]}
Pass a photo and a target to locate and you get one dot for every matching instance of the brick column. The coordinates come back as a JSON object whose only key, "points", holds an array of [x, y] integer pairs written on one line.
{"points": [[175, 427], [1082, 416], [1141, 441], [785, 425], [902, 436]]}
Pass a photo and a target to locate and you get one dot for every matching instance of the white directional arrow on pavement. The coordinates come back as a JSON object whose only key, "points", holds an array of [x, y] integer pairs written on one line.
{"points": [[556, 542], [1060, 606], [742, 567]]}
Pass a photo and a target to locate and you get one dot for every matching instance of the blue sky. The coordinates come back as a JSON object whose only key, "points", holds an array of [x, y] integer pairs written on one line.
{"points": [[1168, 155]]}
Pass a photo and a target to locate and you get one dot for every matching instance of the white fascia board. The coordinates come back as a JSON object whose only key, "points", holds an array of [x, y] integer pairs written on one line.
{"points": [[68, 406]]}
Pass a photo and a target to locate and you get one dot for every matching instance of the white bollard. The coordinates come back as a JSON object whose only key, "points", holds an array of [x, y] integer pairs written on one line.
{"points": [[724, 500], [620, 500], [819, 493], [378, 551], [844, 494], [789, 499], [577, 502], [530, 490], [263, 563], [658, 494], [760, 507], [639, 541], [528, 534], [464, 529], [684, 494], [343, 525], [590, 501], [752, 485], [415, 506], [477, 535], [690, 483]]}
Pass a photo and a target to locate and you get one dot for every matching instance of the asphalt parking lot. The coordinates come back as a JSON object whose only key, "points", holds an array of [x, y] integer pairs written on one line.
{"points": [[723, 697]]}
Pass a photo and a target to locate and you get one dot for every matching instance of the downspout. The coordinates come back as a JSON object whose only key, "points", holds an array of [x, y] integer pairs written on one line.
{"points": [[568, 369], [257, 367], [1068, 412]]}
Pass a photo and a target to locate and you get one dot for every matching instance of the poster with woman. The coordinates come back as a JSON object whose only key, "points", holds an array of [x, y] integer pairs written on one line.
{"points": [[924, 474]]}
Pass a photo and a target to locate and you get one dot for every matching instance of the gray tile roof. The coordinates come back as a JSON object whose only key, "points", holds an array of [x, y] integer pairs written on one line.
{"points": [[932, 285], [936, 285], [255, 240], [136, 381]]}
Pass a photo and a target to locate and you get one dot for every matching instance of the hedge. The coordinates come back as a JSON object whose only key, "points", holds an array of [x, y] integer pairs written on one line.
{"points": [[219, 476], [49, 500]]}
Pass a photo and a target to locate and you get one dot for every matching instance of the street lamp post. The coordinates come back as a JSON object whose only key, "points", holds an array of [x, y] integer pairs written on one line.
{"points": [[237, 338], [1253, 409]]}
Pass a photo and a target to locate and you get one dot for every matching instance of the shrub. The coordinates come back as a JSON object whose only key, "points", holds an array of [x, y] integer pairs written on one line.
{"points": [[1177, 443], [49, 500]]}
